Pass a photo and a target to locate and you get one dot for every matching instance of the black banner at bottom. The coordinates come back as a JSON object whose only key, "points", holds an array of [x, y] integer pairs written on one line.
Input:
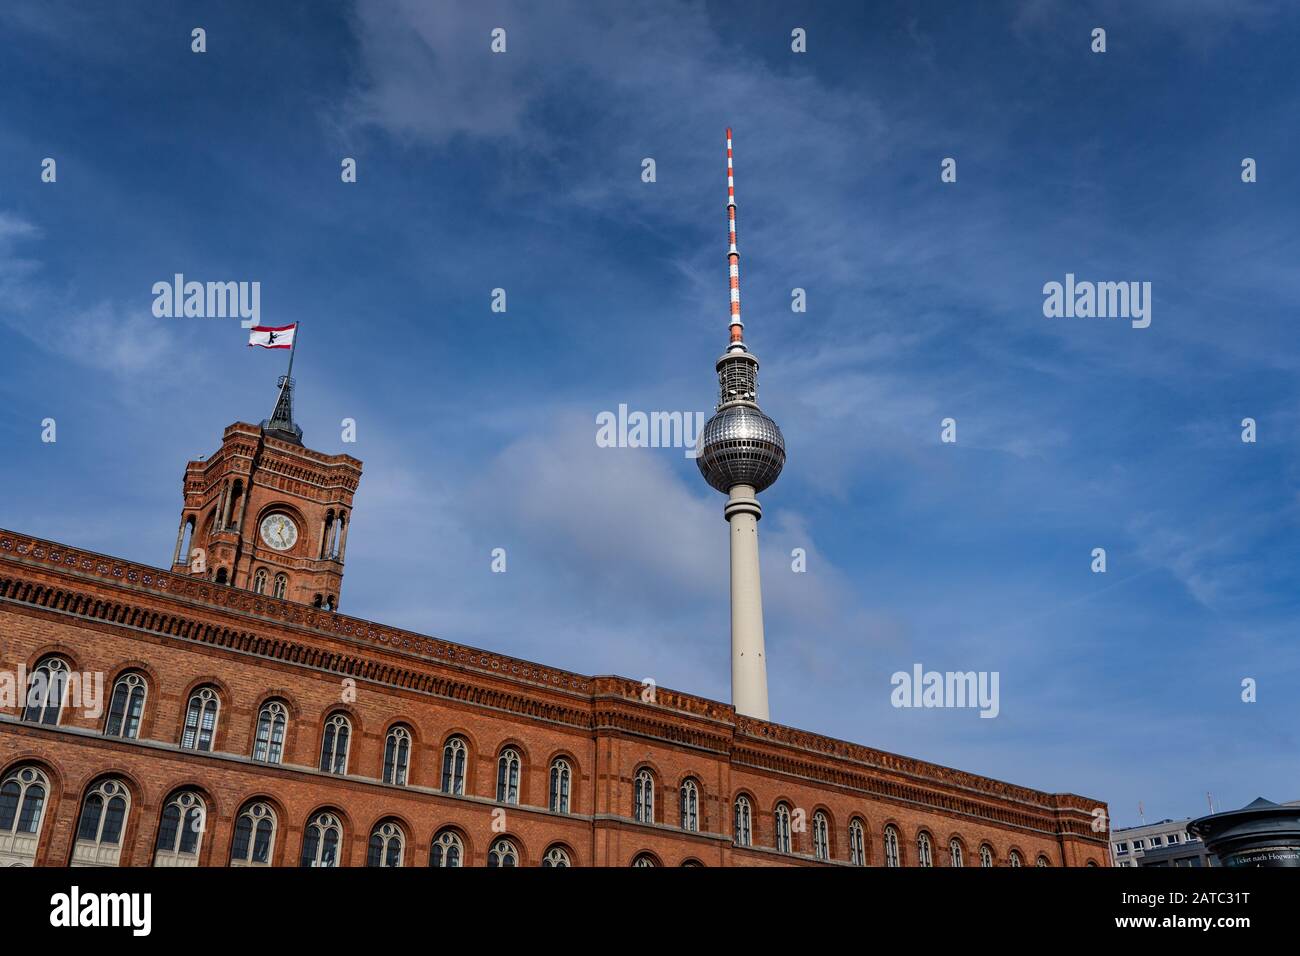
{"points": [[331, 907]]}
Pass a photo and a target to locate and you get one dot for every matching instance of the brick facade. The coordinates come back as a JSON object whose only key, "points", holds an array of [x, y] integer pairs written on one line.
{"points": [[181, 631]]}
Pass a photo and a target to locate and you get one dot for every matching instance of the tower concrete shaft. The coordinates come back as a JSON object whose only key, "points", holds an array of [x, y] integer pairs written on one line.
{"points": [[748, 656]]}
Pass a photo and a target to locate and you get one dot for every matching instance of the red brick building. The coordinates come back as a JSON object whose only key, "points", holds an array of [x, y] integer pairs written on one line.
{"points": [[246, 723]]}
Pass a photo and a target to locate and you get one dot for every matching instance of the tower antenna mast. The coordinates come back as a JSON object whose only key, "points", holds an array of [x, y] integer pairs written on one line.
{"points": [[733, 255]]}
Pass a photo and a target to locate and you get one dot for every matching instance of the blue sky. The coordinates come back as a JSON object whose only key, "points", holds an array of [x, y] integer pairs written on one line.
{"points": [[522, 171]]}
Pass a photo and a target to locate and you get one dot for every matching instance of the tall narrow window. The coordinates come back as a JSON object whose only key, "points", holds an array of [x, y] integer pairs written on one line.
{"points": [[821, 836], [1013, 859], [453, 766], [986, 856], [447, 850], [268, 747], [334, 745], [892, 856], [782, 819], [201, 719], [320, 841], [561, 780], [126, 707], [22, 811], [254, 836], [46, 688], [743, 829], [180, 831], [690, 806], [954, 852], [503, 853], [508, 777], [857, 843], [99, 828], [259, 581], [556, 858], [387, 844], [1042, 861], [643, 807], [924, 854], [281, 585], [397, 756]]}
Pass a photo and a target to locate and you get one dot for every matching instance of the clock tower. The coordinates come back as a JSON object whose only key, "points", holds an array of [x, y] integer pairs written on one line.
{"points": [[267, 514]]}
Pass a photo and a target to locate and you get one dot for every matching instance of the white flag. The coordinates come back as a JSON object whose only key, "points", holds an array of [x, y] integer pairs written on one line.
{"points": [[271, 337]]}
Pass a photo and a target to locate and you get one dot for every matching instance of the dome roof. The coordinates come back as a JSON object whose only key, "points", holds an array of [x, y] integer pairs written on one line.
{"points": [[741, 446]]}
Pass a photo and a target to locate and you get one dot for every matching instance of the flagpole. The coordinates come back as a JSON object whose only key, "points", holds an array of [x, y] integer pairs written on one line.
{"points": [[288, 375], [293, 347]]}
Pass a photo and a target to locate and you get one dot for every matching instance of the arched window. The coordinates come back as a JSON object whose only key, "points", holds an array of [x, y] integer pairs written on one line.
{"points": [[644, 860], [503, 853], [986, 856], [387, 845], [281, 585], [857, 843], [201, 719], [561, 780], [557, 858], [784, 843], [259, 581], [185, 541], [334, 745], [126, 707], [320, 841], [453, 766], [1042, 861], [99, 829], [821, 836], [447, 850], [1014, 858], [254, 836], [22, 811], [742, 830], [47, 687], [508, 776], [222, 577], [892, 856], [954, 852], [181, 831], [643, 807], [272, 718], [690, 806], [397, 755], [924, 852]]}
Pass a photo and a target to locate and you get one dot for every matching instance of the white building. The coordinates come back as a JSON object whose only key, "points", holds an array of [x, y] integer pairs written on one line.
{"points": [[1130, 844]]}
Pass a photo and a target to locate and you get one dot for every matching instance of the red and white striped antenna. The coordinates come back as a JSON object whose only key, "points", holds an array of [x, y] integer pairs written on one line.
{"points": [[733, 256]]}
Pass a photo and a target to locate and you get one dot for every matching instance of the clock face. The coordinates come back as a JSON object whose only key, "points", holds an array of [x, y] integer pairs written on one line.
{"points": [[279, 532]]}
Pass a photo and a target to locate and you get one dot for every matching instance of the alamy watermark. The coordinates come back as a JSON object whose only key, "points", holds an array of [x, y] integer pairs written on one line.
{"points": [[1098, 300], [922, 688], [208, 300], [58, 689], [76, 909], [636, 429]]}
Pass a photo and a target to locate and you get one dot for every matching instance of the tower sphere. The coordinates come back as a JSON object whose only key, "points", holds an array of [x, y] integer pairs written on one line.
{"points": [[741, 446]]}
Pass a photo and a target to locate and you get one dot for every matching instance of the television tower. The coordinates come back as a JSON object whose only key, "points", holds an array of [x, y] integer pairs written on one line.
{"points": [[742, 452]]}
